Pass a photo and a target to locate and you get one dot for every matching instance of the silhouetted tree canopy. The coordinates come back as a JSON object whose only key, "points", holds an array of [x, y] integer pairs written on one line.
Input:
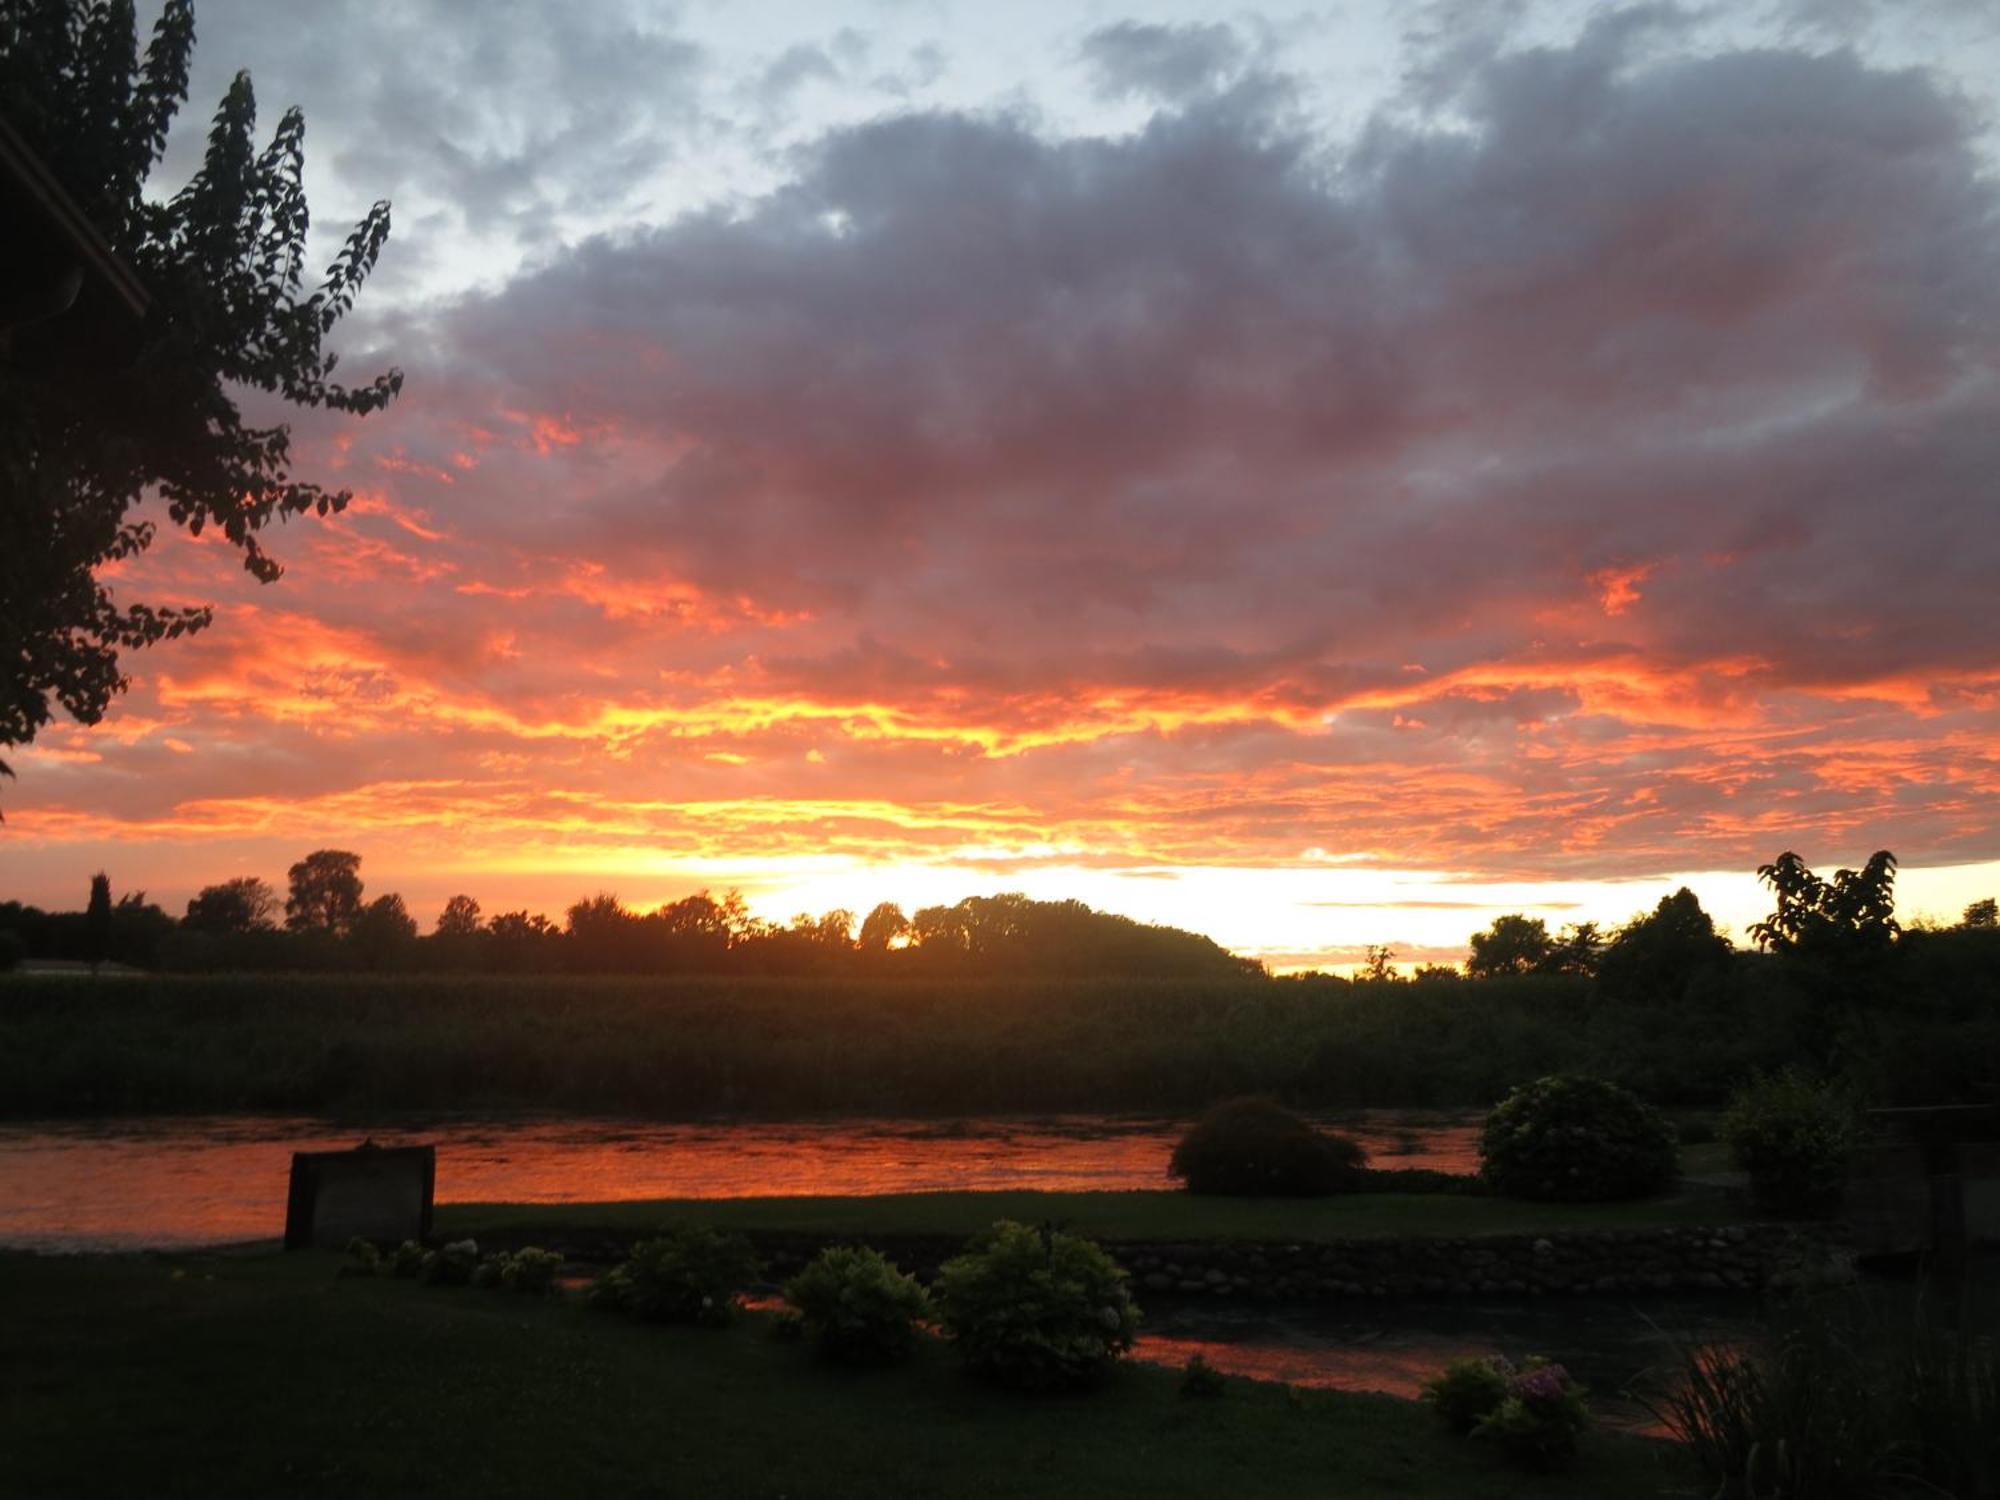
{"points": [[97, 920], [1981, 913], [1849, 917], [882, 927], [1659, 955], [1514, 944], [459, 919], [245, 904], [325, 892], [86, 426], [382, 930], [1656, 956]]}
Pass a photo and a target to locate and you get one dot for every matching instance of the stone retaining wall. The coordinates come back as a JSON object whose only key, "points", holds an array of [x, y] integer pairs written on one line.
{"points": [[1736, 1257]]}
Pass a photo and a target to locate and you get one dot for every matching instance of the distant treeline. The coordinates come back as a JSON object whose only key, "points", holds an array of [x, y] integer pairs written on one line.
{"points": [[997, 1003], [329, 928]]}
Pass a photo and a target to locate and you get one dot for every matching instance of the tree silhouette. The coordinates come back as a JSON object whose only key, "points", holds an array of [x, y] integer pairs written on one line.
{"points": [[459, 920], [97, 921], [882, 927], [325, 892], [86, 428], [245, 904], [382, 930], [1658, 955], [1981, 913], [1850, 916], [1514, 944]]}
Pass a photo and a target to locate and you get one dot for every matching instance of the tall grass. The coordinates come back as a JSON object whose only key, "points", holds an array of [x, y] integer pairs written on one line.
{"points": [[678, 1047], [1844, 1403]]}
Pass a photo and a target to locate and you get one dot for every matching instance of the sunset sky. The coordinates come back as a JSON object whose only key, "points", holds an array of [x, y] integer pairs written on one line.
{"points": [[1318, 477]]}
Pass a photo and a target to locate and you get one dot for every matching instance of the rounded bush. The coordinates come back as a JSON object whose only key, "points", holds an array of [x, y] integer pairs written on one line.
{"points": [[687, 1275], [1569, 1139], [1793, 1135], [1254, 1148], [1035, 1309], [530, 1271], [857, 1307], [449, 1265]]}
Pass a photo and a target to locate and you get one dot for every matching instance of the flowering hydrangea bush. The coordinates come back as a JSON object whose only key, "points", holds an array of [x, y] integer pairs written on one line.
{"points": [[1539, 1419], [1035, 1308], [1570, 1139], [687, 1275], [859, 1308], [1534, 1412]]}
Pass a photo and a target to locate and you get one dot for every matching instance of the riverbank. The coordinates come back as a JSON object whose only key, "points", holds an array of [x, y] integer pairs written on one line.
{"points": [[691, 1047], [249, 1376]]}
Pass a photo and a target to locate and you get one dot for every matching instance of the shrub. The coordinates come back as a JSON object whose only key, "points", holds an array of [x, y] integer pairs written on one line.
{"points": [[449, 1265], [1843, 1400], [1793, 1135], [408, 1259], [858, 1308], [687, 1275], [1467, 1391], [1252, 1147], [363, 1259], [1576, 1140], [530, 1271], [1201, 1381], [1539, 1418], [1034, 1308]]}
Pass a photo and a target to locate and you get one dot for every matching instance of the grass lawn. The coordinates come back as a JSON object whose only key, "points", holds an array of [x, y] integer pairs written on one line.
{"points": [[1111, 1216], [265, 1375]]}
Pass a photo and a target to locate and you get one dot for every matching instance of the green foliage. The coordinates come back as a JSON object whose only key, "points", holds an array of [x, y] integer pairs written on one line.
{"points": [[1201, 1381], [1467, 1390], [1253, 1147], [363, 1259], [530, 1271], [408, 1259], [450, 1265], [92, 417], [1573, 1139], [687, 1275], [1539, 1418], [331, 1042], [1035, 1309], [1793, 1134], [1534, 1413], [857, 1306], [1839, 1402]]}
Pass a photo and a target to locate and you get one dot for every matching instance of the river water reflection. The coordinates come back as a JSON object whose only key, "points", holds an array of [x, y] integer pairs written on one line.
{"points": [[1610, 1345], [178, 1182]]}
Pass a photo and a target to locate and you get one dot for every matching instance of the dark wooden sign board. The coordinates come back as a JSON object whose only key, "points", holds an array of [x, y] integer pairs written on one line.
{"points": [[380, 1193]]}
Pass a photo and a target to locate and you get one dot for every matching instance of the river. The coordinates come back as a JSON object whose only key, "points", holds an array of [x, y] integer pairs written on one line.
{"points": [[178, 1182]]}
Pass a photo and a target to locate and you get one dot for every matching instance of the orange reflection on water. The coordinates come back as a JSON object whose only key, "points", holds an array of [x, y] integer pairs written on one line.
{"points": [[181, 1181]]}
